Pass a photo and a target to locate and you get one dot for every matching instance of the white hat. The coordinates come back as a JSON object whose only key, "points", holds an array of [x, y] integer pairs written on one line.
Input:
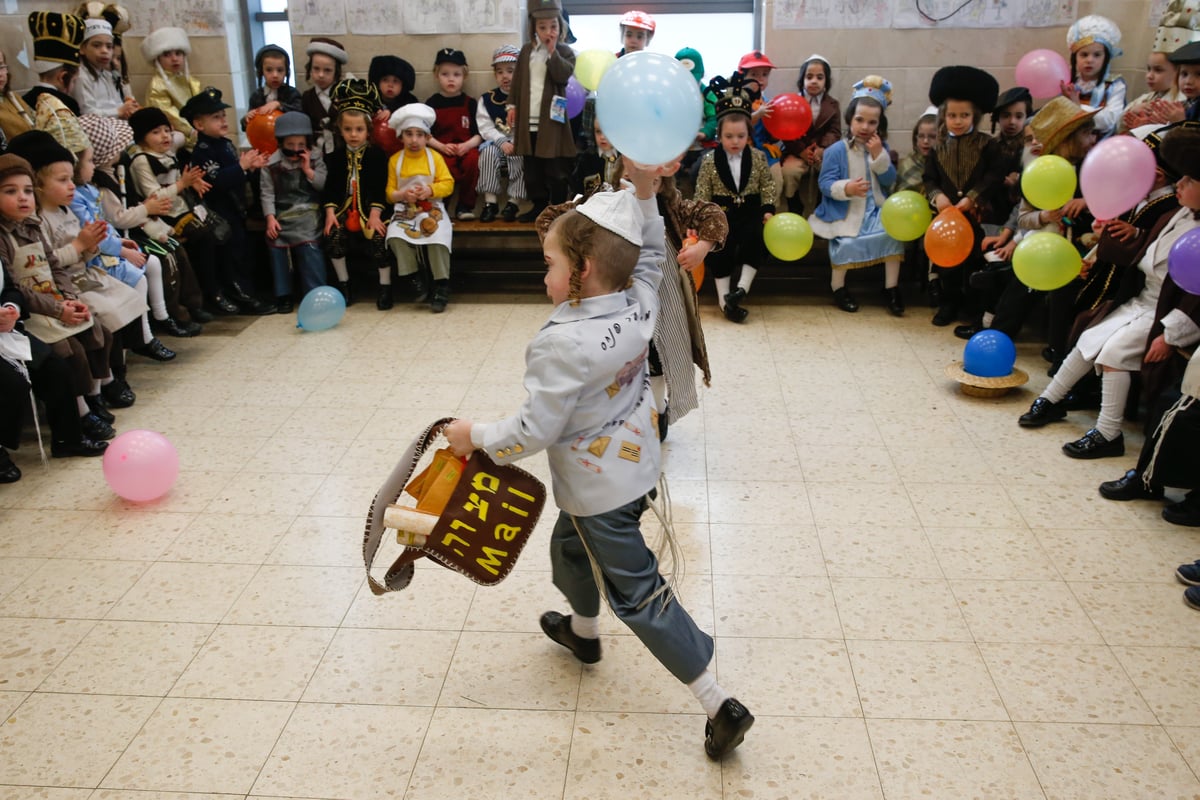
{"points": [[329, 47], [1095, 29], [1177, 27], [617, 212], [95, 27], [931, 111], [413, 115], [164, 40], [818, 57]]}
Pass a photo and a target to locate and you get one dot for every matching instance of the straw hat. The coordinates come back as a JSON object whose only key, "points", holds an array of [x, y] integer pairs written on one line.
{"points": [[1056, 121], [978, 386]]}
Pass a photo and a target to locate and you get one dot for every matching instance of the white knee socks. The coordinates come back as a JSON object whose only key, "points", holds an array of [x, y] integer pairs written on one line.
{"points": [[1073, 367], [1114, 391], [747, 278], [658, 385], [722, 285], [891, 273], [837, 279], [709, 693], [385, 276], [339, 266], [155, 294]]}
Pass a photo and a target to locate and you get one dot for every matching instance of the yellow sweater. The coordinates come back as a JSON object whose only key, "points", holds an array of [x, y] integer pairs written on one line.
{"points": [[405, 165], [165, 95]]}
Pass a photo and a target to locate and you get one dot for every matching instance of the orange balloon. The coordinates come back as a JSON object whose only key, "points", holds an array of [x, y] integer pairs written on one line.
{"points": [[261, 132], [698, 276], [949, 239]]}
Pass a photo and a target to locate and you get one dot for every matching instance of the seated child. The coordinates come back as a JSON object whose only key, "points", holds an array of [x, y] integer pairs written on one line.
{"points": [[56, 42], [603, 268], [291, 185], [802, 157], [99, 89], [1013, 109], [1094, 42], [598, 169], [455, 134], [273, 67], [172, 84], [417, 182], [498, 157], [15, 116], [326, 58], [393, 79], [1162, 76]]}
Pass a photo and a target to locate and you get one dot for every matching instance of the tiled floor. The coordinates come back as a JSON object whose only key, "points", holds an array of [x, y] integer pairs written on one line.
{"points": [[915, 597]]}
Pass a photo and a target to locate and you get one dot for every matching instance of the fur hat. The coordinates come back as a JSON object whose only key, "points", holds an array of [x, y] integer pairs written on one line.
{"points": [[875, 87], [505, 54], [394, 66], [448, 55], [964, 83], [110, 137], [413, 115], [355, 94], [146, 119], [1177, 27], [1180, 149], [164, 40], [293, 123], [1056, 121], [617, 212], [39, 149], [207, 102], [1095, 29], [56, 39], [12, 164], [328, 47]]}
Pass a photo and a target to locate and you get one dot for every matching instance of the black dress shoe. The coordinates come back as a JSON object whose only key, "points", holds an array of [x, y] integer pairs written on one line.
{"points": [[223, 305], [95, 428], [9, 472], [893, 298], [200, 315], [117, 394], [154, 350], [84, 447], [384, 301], [558, 628], [347, 294], [418, 288], [490, 211], [727, 729], [735, 313], [248, 303], [441, 296], [843, 300], [532, 214], [945, 315], [934, 287], [509, 212], [173, 327], [284, 305], [966, 331], [1041, 412], [1093, 445], [1130, 486], [1186, 512], [1081, 401], [95, 402]]}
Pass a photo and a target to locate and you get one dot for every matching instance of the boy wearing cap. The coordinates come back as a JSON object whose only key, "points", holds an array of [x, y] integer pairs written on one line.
{"points": [[1187, 58], [326, 58], [497, 157], [273, 68], [589, 405], [455, 134]]}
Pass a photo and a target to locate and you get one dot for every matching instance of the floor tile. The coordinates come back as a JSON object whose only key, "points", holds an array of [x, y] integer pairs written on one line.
{"points": [[167, 592], [837, 505], [803, 757], [789, 677], [284, 661], [216, 538], [992, 554], [510, 670], [74, 589], [1002, 611], [799, 607], [765, 550], [143, 658], [877, 551], [30, 649], [383, 667], [287, 595], [1165, 677], [899, 609], [924, 680], [1139, 614]]}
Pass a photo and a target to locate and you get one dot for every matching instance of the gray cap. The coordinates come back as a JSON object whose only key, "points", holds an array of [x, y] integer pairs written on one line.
{"points": [[293, 123]]}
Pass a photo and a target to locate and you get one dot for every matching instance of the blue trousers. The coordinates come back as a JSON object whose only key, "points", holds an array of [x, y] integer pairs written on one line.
{"points": [[310, 268], [631, 575]]}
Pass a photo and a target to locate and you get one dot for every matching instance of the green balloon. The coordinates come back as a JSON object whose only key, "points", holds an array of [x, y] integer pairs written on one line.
{"points": [[788, 236], [1049, 182], [905, 216], [1046, 261], [590, 66]]}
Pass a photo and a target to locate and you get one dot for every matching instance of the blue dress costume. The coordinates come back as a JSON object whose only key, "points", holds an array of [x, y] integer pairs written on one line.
{"points": [[834, 218]]}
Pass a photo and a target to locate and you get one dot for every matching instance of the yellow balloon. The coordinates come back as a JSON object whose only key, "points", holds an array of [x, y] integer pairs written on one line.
{"points": [[590, 66], [1049, 182], [788, 236], [1046, 261], [905, 216]]}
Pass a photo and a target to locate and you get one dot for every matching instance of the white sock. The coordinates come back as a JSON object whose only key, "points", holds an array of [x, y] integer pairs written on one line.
{"points": [[82, 405], [1114, 391], [489, 197], [158, 302], [105, 381], [339, 266], [385, 276], [1073, 367], [96, 384], [709, 693], [585, 627], [747, 278], [722, 285], [658, 385], [891, 273], [837, 279], [987, 319], [146, 334]]}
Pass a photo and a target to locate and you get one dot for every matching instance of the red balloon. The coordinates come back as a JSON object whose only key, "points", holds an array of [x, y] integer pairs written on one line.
{"points": [[261, 132], [949, 238], [384, 137], [790, 117]]}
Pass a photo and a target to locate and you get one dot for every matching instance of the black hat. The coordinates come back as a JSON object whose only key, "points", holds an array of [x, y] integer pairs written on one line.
{"points": [[964, 83], [448, 55], [355, 94], [271, 50], [394, 66], [1180, 149], [207, 102], [39, 149], [1188, 54], [1017, 94], [733, 101], [56, 39], [146, 119]]}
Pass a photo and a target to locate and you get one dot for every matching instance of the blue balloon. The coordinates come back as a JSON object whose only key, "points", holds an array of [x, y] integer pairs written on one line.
{"points": [[649, 107], [321, 309], [989, 354]]}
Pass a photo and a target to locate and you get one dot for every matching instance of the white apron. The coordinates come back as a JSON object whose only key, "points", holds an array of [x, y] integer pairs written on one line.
{"points": [[32, 273], [407, 218]]}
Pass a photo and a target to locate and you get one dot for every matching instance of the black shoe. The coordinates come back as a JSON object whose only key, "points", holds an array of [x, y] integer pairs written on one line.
{"points": [[945, 315], [441, 296], [284, 305], [727, 729], [1093, 445], [1041, 412], [173, 327], [154, 350], [200, 316], [95, 402], [384, 301], [934, 287], [1081, 401], [347, 293], [663, 424], [223, 305], [117, 394], [558, 628], [85, 447], [95, 428], [418, 288], [509, 212], [249, 304], [1050, 355], [893, 298], [735, 297], [9, 472], [1186, 512], [532, 214], [843, 300], [736, 313], [966, 331], [1130, 486], [490, 211]]}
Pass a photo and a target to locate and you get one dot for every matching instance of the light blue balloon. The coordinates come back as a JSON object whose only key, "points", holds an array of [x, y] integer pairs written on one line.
{"points": [[321, 309], [649, 107]]}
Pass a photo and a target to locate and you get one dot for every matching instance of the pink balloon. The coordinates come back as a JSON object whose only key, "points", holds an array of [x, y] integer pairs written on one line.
{"points": [[1116, 175], [1183, 261], [1043, 72], [141, 465]]}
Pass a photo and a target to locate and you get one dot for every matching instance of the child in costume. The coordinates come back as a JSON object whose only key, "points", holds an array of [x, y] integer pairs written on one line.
{"points": [[736, 177], [1187, 58], [99, 89], [910, 174], [596, 168], [16, 116], [498, 159], [455, 135], [637, 29], [1094, 42], [172, 84], [273, 67], [393, 79], [1162, 101], [356, 188], [541, 129], [856, 176], [326, 60], [752, 75], [802, 157], [590, 408], [418, 180], [1013, 109], [56, 42], [290, 186]]}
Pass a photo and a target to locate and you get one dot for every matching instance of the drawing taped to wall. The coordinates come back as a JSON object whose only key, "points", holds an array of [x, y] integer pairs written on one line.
{"points": [[375, 17], [317, 17], [801, 14]]}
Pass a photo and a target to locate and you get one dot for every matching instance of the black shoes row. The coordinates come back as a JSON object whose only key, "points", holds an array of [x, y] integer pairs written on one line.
{"points": [[419, 291], [893, 299], [85, 447], [1132, 486], [733, 306], [492, 210], [1092, 444]]}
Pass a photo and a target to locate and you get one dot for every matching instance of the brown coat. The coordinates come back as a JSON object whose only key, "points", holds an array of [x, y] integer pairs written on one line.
{"points": [[554, 139], [825, 129]]}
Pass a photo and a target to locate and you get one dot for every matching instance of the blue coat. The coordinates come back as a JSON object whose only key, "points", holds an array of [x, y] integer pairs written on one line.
{"points": [[841, 215]]}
